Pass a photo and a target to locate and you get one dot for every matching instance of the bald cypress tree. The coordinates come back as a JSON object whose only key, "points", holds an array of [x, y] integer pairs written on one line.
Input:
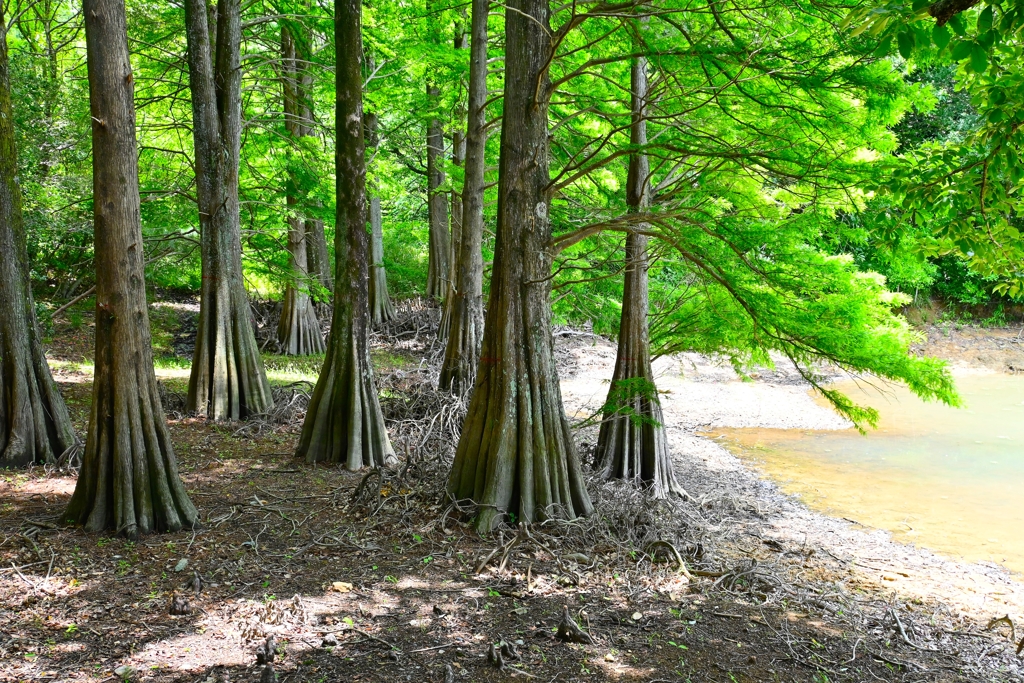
{"points": [[516, 455], [298, 330], [129, 481], [344, 423], [34, 422], [381, 308], [439, 238], [464, 309], [228, 380], [632, 443]]}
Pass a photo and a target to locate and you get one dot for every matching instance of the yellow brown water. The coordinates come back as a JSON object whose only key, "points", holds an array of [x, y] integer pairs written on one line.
{"points": [[947, 479]]}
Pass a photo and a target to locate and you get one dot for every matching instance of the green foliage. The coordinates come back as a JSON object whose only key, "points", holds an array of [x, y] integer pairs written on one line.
{"points": [[790, 161]]}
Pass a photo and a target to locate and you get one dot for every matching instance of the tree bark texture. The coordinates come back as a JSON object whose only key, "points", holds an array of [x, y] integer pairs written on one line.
{"points": [[439, 239], [129, 479], [228, 381], [516, 454], [344, 422], [381, 308], [458, 160], [318, 259], [298, 330], [465, 308], [632, 444], [35, 427]]}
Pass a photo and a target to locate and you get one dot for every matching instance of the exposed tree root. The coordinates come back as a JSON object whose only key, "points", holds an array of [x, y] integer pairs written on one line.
{"points": [[570, 632]]}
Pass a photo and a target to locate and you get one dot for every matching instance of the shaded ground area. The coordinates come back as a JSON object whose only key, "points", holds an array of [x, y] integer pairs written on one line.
{"points": [[372, 577]]}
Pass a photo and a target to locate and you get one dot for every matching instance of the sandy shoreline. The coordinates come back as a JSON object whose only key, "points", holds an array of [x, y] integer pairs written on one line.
{"points": [[699, 395]]}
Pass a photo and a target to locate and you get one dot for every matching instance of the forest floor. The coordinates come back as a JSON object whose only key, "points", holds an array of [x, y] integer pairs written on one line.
{"points": [[367, 577]]}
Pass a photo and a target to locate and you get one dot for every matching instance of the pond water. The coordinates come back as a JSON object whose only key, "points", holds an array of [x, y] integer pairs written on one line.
{"points": [[944, 478]]}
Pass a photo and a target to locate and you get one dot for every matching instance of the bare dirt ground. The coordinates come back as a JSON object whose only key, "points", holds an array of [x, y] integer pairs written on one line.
{"points": [[372, 577], [973, 348]]}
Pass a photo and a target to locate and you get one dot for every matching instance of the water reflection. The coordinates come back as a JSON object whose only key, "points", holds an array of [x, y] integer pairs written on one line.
{"points": [[948, 479]]}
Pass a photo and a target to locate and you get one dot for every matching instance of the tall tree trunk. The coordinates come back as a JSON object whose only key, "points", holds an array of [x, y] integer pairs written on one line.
{"points": [[228, 381], [129, 480], [298, 330], [632, 444], [458, 161], [344, 422], [439, 247], [465, 308], [516, 455], [34, 422], [318, 259], [381, 309]]}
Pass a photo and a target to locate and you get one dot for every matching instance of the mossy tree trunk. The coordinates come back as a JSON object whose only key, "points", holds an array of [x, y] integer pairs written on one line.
{"points": [[129, 481], [632, 444], [228, 381], [344, 423], [516, 454], [35, 427], [465, 310], [381, 308], [298, 330]]}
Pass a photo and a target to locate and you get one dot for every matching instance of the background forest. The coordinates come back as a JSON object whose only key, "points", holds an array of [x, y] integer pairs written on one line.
{"points": [[408, 45]]}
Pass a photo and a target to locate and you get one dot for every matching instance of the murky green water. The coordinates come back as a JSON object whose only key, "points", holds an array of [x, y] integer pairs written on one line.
{"points": [[944, 478]]}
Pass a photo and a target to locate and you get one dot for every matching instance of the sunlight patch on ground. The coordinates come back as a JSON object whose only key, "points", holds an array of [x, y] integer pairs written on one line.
{"points": [[166, 372], [23, 484], [176, 305], [289, 369], [65, 367], [616, 664]]}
